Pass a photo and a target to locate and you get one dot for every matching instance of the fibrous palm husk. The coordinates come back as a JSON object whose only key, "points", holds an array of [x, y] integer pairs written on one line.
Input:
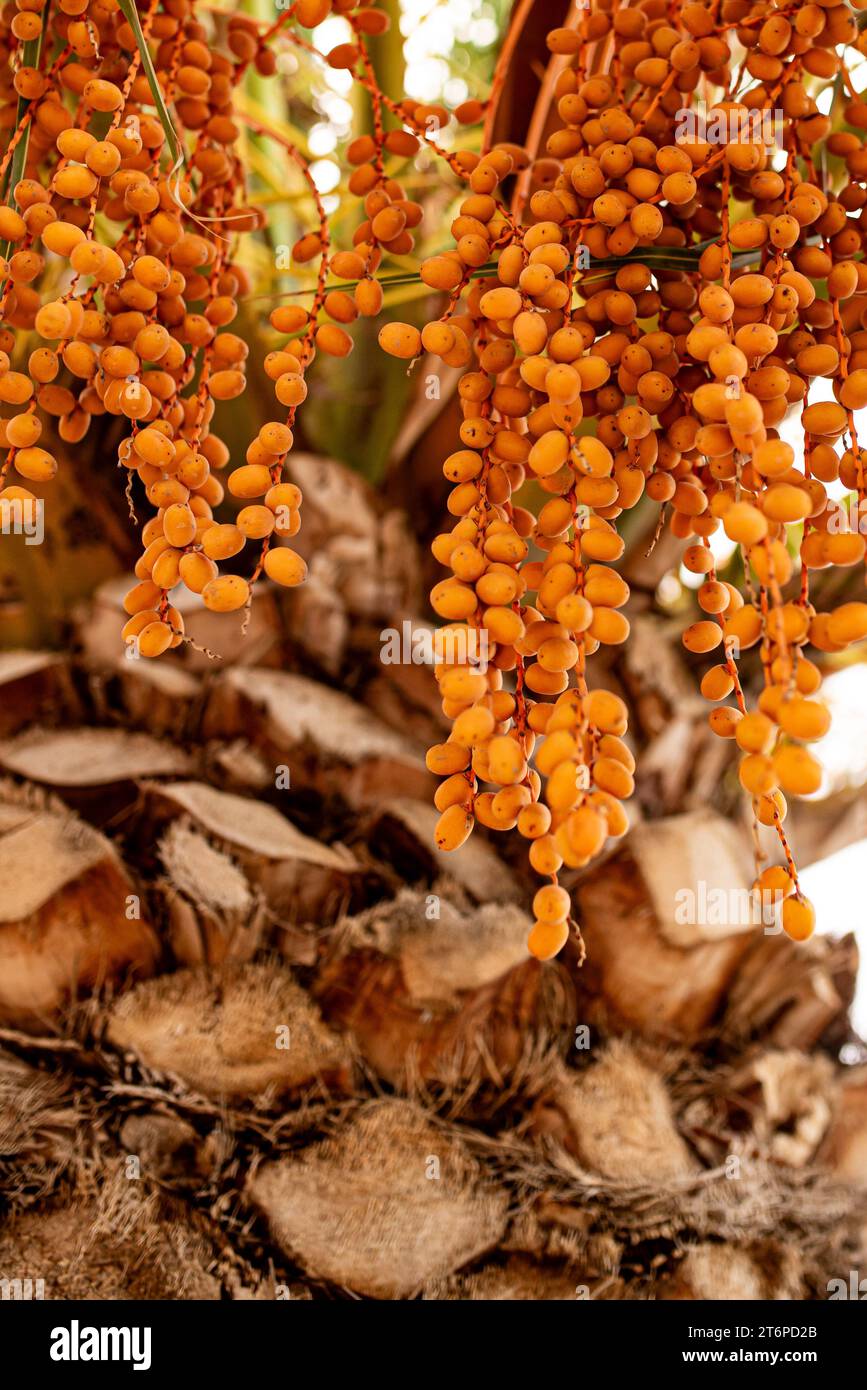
{"points": [[94, 769], [159, 696], [39, 1128], [761, 1270], [90, 757], [518, 1279], [241, 1032], [124, 1242], [844, 1148], [438, 996], [168, 1148], [792, 993], [616, 1117], [634, 1167], [237, 766], [388, 1204], [404, 694], [845, 1144], [653, 969], [795, 1095], [567, 1208]]}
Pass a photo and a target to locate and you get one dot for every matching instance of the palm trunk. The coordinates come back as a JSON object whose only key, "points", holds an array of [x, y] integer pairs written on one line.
{"points": [[320, 1044]]}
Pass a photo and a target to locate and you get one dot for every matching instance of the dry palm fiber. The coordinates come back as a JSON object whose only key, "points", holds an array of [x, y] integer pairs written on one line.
{"points": [[388, 1203], [439, 996], [40, 1127], [243, 1031], [124, 1243]]}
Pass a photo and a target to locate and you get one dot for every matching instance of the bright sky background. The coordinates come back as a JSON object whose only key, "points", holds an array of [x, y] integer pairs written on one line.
{"points": [[431, 28], [836, 888]]}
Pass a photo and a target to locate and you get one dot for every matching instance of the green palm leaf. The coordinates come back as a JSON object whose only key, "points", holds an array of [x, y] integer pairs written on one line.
{"points": [[31, 54]]}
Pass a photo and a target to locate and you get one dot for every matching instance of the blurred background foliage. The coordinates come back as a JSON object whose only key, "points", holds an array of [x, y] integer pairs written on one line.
{"points": [[435, 50]]}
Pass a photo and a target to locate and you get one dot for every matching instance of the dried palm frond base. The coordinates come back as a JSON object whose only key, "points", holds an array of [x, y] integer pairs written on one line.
{"points": [[259, 1040], [67, 917]]}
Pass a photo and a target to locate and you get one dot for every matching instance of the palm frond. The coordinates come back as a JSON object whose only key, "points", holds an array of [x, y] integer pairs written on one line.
{"points": [[31, 53], [130, 14]]}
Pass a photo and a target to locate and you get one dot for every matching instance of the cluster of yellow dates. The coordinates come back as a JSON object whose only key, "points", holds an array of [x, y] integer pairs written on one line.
{"points": [[635, 310], [655, 299]]}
